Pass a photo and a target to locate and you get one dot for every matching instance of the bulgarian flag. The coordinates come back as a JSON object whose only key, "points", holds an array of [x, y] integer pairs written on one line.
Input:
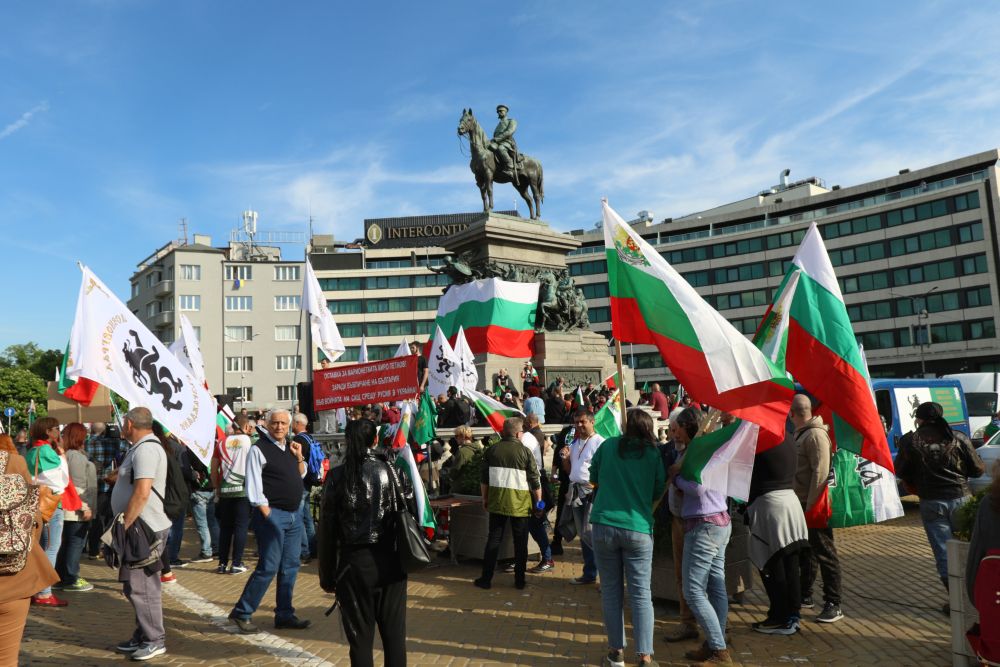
{"points": [[612, 381], [494, 411], [402, 434], [608, 420], [821, 350], [498, 316], [579, 396], [652, 304], [407, 465], [723, 460], [224, 418], [81, 390]]}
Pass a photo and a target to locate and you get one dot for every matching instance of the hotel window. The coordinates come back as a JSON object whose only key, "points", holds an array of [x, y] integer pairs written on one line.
{"points": [[286, 273], [425, 303], [398, 305], [237, 303], [190, 302], [350, 330], [286, 332], [239, 333], [239, 272], [247, 393], [288, 362], [293, 302], [344, 306], [190, 272]]}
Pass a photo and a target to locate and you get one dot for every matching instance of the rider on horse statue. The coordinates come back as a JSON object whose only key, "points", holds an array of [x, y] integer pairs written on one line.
{"points": [[503, 145]]}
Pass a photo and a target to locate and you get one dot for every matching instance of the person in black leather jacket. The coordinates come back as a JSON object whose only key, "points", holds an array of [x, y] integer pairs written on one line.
{"points": [[357, 547]]}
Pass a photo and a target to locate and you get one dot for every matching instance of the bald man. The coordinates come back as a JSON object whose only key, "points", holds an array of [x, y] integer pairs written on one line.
{"points": [[812, 473]]}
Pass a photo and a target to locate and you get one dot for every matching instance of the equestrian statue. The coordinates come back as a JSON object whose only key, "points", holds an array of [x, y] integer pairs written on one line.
{"points": [[497, 160]]}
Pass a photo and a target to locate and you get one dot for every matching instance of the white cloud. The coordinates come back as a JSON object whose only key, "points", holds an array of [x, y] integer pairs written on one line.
{"points": [[24, 119]]}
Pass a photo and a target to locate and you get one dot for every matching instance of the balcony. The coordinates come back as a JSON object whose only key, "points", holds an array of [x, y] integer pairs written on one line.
{"points": [[163, 288], [162, 319]]}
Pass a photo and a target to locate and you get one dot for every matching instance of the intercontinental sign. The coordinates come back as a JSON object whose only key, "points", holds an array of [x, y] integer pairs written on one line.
{"points": [[418, 231]]}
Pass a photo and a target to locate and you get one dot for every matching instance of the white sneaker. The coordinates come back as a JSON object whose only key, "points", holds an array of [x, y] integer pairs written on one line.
{"points": [[147, 651]]}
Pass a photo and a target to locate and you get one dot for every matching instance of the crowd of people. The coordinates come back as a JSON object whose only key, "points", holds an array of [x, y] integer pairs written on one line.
{"points": [[125, 496]]}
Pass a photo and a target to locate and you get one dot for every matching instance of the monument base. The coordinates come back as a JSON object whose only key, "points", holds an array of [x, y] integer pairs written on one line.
{"points": [[578, 357]]}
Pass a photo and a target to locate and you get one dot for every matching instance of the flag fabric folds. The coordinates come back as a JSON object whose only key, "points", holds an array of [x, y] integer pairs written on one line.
{"points": [[608, 420], [822, 350], [498, 316], [403, 350], [407, 465], [467, 374], [363, 351], [186, 349], [723, 460], [112, 347], [861, 492], [82, 390], [652, 304], [425, 421], [612, 381], [400, 438], [322, 326], [494, 411]]}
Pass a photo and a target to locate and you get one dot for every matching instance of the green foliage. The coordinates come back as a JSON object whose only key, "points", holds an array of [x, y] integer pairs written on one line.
{"points": [[29, 356], [468, 479], [965, 516], [18, 386]]}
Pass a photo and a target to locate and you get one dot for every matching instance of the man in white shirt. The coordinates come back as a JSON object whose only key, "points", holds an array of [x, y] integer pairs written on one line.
{"points": [[576, 461]]}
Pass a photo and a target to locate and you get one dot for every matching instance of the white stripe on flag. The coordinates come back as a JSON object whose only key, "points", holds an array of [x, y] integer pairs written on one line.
{"points": [[484, 290], [730, 469]]}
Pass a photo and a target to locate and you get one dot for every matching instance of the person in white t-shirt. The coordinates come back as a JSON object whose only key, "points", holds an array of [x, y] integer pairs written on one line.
{"points": [[576, 461]]}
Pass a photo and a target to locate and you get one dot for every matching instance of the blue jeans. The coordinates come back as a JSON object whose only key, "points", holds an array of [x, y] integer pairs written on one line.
{"points": [[279, 542], [703, 571], [174, 539], [73, 542], [203, 511], [625, 554], [308, 527], [51, 541], [937, 517], [538, 532], [580, 518]]}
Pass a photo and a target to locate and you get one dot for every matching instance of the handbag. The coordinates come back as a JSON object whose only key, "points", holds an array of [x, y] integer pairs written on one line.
{"points": [[410, 546], [48, 502]]}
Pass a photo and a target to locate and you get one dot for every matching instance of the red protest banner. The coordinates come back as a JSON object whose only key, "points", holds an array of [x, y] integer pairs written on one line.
{"points": [[359, 384]]}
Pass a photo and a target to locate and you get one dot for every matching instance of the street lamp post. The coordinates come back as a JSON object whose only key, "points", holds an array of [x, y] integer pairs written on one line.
{"points": [[243, 367], [923, 339]]}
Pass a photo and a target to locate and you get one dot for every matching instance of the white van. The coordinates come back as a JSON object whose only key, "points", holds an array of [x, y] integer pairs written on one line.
{"points": [[981, 390]]}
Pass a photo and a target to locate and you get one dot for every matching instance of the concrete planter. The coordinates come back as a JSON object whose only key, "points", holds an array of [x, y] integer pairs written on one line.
{"points": [[963, 614], [469, 527], [739, 569]]}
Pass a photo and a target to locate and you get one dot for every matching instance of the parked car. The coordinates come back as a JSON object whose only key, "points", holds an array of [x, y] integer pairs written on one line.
{"points": [[989, 453], [897, 401], [981, 393]]}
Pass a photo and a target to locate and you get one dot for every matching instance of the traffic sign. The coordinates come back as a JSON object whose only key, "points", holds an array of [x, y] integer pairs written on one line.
{"points": [[9, 412]]}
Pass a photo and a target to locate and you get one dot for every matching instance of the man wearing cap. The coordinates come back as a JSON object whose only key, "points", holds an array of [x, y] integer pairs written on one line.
{"points": [[503, 145], [935, 463]]}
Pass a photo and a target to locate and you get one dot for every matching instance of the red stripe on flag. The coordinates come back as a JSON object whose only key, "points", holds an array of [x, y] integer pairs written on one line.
{"points": [[499, 340], [845, 390], [83, 391], [627, 323], [496, 420]]}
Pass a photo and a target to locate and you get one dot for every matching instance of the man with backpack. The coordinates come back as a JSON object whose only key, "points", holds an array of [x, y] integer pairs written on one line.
{"points": [[313, 454], [139, 494], [935, 463]]}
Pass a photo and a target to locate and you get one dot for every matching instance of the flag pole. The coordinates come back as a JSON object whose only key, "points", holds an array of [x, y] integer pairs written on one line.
{"points": [[621, 382]]}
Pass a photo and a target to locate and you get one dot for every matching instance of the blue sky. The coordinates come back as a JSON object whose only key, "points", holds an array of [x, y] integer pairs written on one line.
{"points": [[118, 118]]}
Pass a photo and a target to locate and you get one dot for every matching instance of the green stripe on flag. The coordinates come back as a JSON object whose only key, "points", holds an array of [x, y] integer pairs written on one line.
{"points": [[496, 312], [701, 450], [816, 310]]}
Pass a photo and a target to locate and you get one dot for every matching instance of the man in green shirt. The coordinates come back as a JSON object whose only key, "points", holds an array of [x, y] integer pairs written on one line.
{"points": [[511, 491]]}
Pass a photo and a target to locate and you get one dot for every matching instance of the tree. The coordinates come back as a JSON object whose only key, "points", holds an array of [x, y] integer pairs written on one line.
{"points": [[42, 363], [18, 387]]}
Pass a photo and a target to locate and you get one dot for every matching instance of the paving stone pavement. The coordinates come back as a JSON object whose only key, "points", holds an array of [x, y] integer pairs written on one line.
{"points": [[892, 601]]}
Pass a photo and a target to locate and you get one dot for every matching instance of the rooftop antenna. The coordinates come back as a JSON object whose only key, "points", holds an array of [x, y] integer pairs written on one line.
{"points": [[182, 238]]}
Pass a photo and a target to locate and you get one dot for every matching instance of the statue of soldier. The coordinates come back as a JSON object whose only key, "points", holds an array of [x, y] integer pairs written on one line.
{"points": [[503, 145]]}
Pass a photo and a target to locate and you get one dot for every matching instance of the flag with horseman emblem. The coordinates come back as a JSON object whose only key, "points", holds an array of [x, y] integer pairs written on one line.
{"points": [[112, 347]]}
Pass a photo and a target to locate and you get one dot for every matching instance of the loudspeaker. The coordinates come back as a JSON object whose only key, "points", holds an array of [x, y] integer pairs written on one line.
{"points": [[306, 400]]}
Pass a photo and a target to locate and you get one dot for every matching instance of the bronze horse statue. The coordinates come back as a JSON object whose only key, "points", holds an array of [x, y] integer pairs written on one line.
{"points": [[484, 167]]}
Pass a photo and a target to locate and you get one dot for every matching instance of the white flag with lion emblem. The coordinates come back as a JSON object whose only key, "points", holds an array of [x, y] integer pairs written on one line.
{"points": [[112, 347]]}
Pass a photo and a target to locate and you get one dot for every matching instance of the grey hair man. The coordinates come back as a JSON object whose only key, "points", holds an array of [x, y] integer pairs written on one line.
{"points": [[138, 496], [275, 469], [511, 490]]}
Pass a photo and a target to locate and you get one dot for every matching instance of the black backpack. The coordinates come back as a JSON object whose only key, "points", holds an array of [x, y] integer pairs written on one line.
{"points": [[176, 493]]}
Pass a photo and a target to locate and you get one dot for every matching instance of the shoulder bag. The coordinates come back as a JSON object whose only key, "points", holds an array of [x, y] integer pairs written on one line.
{"points": [[410, 545], [48, 501]]}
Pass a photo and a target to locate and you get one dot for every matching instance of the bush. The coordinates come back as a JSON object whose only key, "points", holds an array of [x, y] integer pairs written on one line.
{"points": [[965, 516], [467, 483]]}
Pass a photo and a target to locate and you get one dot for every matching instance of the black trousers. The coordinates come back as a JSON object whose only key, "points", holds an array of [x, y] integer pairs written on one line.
{"points": [[519, 528], [561, 502], [782, 583], [823, 557], [233, 515], [372, 593]]}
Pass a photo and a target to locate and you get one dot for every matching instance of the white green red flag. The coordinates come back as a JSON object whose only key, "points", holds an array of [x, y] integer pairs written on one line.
{"points": [[82, 390], [498, 316], [407, 465], [652, 304], [822, 351], [579, 396], [612, 381], [494, 411], [112, 347], [224, 419], [608, 420], [401, 436], [723, 460]]}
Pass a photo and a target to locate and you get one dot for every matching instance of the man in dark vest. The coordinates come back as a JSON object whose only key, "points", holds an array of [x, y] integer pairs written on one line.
{"points": [[274, 472]]}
